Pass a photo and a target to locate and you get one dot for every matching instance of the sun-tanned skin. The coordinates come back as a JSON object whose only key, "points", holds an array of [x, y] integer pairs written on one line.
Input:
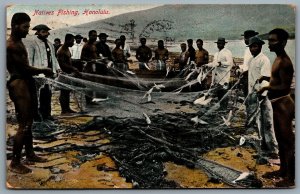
{"points": [[21, 90], [283, 109]]}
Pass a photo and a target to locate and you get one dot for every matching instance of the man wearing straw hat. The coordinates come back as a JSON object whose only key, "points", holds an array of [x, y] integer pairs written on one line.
{"points": [[222, 64], [259, 72]]}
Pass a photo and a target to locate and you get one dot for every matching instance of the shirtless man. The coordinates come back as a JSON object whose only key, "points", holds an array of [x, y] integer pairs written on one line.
{"points": [[65, 63], [161, 53], [143, 54], [283, 106], [119, 59], [89, 54], [21, 87], [201, 55]]}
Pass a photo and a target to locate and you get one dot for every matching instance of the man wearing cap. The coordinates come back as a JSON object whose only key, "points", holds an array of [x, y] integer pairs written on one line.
{"points": [[247, 55], [222, 64], [22, 91], [259, 72], [65, 63], [75, 51], [102, 48], [41, 53], [77, 47]]}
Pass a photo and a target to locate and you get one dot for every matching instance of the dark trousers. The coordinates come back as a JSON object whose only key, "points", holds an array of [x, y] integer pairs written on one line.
{"points": [[45, 101], [220, 94], [64, 100]]}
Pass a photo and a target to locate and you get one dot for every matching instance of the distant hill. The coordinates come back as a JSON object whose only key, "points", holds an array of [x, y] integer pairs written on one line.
{"points": [[180, 22]]}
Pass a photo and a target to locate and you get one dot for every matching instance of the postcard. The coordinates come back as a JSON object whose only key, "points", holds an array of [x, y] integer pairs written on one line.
{"points": [[150, 96]]}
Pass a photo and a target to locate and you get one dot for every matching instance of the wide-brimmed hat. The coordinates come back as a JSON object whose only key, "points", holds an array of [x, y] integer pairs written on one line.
{"points": [[249, 33], [78, 36], [41, 27], [255, 40], [221, 40], [102, 35]]}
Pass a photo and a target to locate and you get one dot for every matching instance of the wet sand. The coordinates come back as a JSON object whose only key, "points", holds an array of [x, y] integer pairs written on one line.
{"points": [[99, 171]]}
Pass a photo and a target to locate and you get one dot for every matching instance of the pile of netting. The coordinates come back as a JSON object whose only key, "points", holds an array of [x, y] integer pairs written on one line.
{"points": [[144, 133]]}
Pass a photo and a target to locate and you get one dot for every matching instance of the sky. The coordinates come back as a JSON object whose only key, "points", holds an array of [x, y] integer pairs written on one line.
{"points": [[68, 15]]}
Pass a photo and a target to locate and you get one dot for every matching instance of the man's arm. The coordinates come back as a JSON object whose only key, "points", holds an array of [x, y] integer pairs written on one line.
{"points": [[65, 63], [14, 57], [149, 53], [285, 73]]}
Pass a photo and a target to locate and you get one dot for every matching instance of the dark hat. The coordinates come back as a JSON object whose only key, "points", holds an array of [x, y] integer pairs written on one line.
{"points": [[40, 27], [221, 40], [102, 35], [78, 36], [256, 40], [249, 33]]}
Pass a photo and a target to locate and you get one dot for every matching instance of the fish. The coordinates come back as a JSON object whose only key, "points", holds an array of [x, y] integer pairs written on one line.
{"points": [[147, 66], [197, 120], [147, 118], [99, 99], [199, 77], [242, 176], [168, 70], [242, 141], [159, 86], [148, 94], [227, 121], [130, 72], [202, 100], [190, 74]]}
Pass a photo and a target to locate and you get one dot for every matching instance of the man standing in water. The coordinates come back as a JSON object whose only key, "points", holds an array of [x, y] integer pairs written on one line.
{"points": [[21, 87], [283, 107]]}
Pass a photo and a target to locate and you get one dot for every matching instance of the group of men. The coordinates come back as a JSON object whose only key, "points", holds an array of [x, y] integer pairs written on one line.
{"points": [[270, 83]]}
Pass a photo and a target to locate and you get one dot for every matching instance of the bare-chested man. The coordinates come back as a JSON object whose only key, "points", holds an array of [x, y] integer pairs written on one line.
{"points": [[283, 106], [21, 88], [89, 54], [201, 55], [118, 56], [65, 63]]}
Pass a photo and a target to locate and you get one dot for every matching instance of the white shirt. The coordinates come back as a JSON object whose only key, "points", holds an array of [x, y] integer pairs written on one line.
{"points": [[247, 56], [258, 66], [221, 74], [37, 54], [75, 50], [126, 49]]}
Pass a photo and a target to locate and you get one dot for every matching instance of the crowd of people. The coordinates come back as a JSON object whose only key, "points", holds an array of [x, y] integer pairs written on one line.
{"points": [[270, 85]]}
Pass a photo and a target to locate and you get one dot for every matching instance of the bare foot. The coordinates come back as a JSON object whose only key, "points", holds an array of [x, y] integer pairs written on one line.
{"points": [[35, 158], [19, 168]]}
